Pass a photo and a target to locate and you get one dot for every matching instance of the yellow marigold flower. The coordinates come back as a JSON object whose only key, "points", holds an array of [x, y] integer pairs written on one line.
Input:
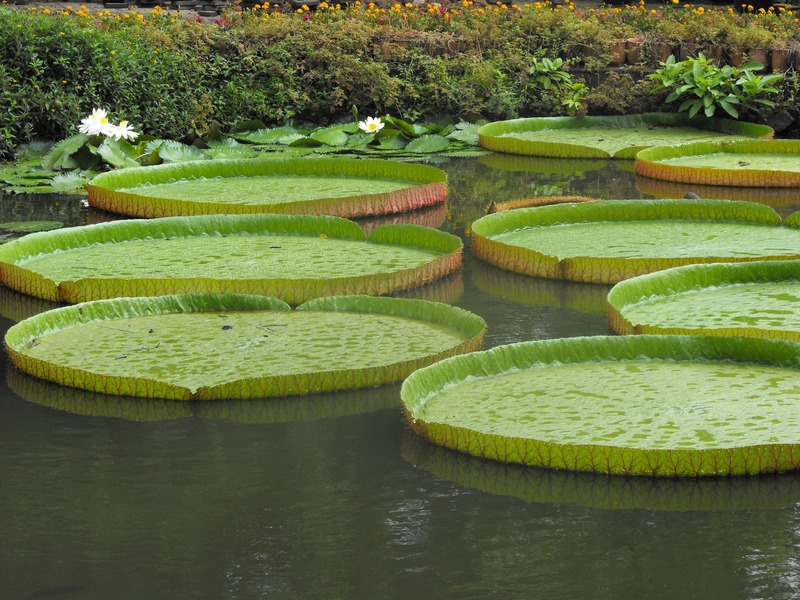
{"points": [[46, 11]]}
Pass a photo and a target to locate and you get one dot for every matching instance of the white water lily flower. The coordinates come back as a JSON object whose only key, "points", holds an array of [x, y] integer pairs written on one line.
{"points": [[371, 125], [96, 123], [123, 131]]}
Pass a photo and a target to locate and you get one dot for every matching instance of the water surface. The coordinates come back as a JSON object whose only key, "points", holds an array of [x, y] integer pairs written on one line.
{"points": [[332, 497]]}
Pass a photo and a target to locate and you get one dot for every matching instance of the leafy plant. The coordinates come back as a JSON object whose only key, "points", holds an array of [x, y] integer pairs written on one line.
{"points": [[550, 74], [701, 85]]}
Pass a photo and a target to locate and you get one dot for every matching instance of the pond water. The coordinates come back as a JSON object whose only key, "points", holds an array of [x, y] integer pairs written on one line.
{"points": [[331, 496]]}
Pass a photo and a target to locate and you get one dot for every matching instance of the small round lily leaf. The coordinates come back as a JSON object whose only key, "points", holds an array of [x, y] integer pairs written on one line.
{"points": [[200, 347], [635, 405], [758, 299]]}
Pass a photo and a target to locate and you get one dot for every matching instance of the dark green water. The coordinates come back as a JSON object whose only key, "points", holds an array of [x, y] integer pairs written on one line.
{"points": [[331, 497]]}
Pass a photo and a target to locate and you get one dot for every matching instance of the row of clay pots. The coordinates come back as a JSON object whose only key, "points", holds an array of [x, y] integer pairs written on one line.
{"points": [[628, 52]]}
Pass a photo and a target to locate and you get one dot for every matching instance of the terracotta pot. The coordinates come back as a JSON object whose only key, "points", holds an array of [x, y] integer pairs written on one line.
{"points": [[687, 50], [660, 51], [735, 58], [633, 48], [760, 55], [617, 53], [714, 54], [780, 59]]}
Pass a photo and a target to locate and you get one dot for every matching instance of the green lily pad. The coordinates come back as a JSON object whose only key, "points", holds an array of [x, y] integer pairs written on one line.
{"points": [[741, 163], [203, 347], [323, 186], [30, 226], [294, 258], [635, 405], [608, 136], [612, 240], [759, 299]]}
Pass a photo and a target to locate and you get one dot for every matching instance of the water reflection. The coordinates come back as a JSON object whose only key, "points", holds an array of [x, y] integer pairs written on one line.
{"points": [[785, 201], [258, 410], [319, 497], [600, 490]]}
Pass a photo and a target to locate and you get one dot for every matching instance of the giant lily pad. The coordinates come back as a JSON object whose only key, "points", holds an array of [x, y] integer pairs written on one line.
{"points": [[760, 299], [200, 347], [294, 258], [636, 405], [320, 186], [743, 163], [608, 136], [606, 242]]}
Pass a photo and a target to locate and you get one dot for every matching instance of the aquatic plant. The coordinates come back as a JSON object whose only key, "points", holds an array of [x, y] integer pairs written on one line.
{"points": [[195, 347], [632, 405]]}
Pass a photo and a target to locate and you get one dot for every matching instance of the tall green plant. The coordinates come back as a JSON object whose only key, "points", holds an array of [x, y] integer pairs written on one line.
{"points": [[701, 85]]}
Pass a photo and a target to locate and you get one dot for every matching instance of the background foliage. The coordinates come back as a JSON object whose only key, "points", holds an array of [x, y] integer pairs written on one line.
{"points": [[176, 77]]}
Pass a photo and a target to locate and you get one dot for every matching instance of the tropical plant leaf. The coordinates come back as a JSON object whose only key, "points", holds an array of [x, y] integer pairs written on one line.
{"points": [[118, 153], [295, 258], [61, 154], [608, 136], [612, 240], [69, 182], [427, 144], [170, 151], [617, 404], [742, 163], [337, 186], [219, 346], [755, 299]]}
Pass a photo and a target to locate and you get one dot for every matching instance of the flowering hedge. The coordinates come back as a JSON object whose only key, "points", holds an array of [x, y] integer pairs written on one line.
{"points": [[175, 76]]}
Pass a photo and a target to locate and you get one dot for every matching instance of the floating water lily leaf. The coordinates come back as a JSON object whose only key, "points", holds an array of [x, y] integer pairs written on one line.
{"points": [[742, 163], [69, 182], [294, 258], [635, 405], [598, 490], [428, 144], [171, 151], [30, 226], [608, 136], [612, 240], [234, 346], [759, 299], [336, 186]]}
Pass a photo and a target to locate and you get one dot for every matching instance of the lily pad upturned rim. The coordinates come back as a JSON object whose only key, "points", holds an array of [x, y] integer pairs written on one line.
{"points": [[604, 269], [498, 135], [421, 385], [29, 282], [696, 277], [649, 163], [430, 187], [18, 337]]}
